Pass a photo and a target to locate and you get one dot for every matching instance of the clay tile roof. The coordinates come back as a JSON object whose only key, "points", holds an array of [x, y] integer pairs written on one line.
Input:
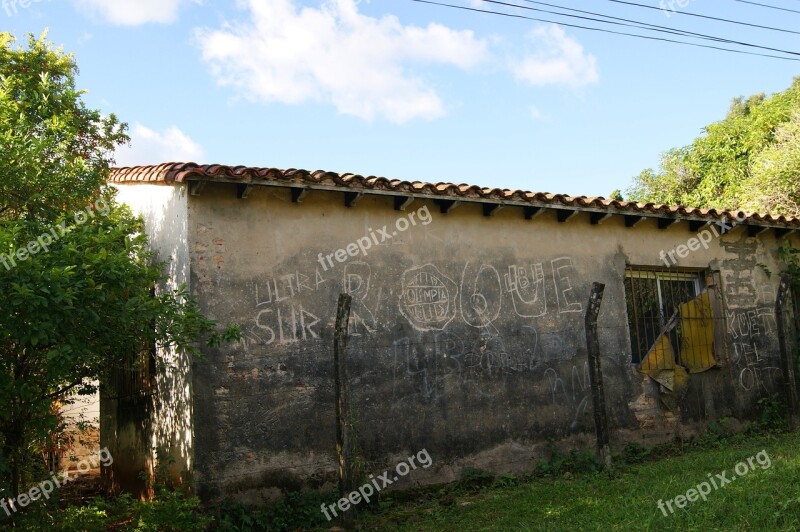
{"points": [[169, 173]]}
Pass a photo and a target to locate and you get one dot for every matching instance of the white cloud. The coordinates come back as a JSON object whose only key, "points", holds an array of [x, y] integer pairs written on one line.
{"points": [[558, 60], [360, 64], [151, 147], [134, 12]]}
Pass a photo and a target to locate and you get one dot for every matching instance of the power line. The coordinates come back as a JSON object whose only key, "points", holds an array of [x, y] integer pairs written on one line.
{"points": [[662, 39], [636, 24], [657, 26], [709, 17], [768, 6], [633, 23]]}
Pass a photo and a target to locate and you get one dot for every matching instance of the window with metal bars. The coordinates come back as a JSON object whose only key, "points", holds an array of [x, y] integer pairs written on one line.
{"points": [[135, 377], [653, 297]]}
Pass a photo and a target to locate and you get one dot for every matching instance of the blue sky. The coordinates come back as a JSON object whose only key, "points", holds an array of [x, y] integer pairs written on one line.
{"points": [[408, 90]]}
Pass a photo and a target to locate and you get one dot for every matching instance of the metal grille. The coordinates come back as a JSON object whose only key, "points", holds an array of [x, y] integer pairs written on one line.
{"points": [[653, 299], [135, 376]]}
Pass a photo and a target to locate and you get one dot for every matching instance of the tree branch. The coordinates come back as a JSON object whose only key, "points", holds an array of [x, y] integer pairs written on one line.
{"points": [[62, 390]]}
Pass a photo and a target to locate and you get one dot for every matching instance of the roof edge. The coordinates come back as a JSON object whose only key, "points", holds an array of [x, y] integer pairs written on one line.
{"points": [[181, 172]]}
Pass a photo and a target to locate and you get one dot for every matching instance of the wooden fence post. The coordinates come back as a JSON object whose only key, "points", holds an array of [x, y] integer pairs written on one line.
{"points": [[596, 374], [787, 362], [344, 448]]}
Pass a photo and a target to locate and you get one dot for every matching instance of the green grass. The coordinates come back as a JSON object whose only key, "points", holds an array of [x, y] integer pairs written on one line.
{"points": [[565, 493], [764, 499]]}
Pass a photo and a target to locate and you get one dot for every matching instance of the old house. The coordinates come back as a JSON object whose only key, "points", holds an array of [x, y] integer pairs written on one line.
{"points": [[466, 334]]}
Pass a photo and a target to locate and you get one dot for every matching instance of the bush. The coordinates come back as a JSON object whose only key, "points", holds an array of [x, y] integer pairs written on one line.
{"points": [[297, 510], [171, 511], [772, 413], [635, 453], [168, 512], [575, 461]]}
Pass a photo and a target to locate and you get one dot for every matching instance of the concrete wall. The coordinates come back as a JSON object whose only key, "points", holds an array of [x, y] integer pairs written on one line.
{"points": [[81, 416], [467, 336], [137, 428]]}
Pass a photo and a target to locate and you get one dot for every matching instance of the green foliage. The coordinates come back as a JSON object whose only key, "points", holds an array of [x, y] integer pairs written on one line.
{"points": [[71, 315], [296, 511], [749, 160], [573, 462], [566, 488], [86, 300], [772, 412], [55, 153], [79, 519], [169, 512], [634, 453], [761, 500], [714, 436], [765, 269], [175, 510], [790, 256], [506, 481], [772, 183], [786, 513]]}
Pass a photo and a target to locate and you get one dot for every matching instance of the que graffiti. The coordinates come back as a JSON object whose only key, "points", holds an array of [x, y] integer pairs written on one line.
{"points": [[430, 300]]}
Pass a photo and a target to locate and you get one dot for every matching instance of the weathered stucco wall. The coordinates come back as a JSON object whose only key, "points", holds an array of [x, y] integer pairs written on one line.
{"points": [[467, 335], [137, 426]]}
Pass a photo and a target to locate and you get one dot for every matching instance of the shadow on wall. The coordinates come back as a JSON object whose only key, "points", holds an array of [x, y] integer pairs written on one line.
{"points": [[146, 411]]}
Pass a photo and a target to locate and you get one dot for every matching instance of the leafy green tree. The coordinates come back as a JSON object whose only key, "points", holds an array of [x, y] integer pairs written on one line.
{"points": [[77, 283], [56, 153], [774, 181], [747, 161]]}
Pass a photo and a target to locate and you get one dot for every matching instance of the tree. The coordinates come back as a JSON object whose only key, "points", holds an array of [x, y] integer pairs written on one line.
{"points": [[749, 160], [774, 181], [77, 282], [56, 153]]}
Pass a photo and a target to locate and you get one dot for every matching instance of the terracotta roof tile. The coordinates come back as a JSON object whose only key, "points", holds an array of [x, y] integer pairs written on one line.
{"points": [[169, 173]]}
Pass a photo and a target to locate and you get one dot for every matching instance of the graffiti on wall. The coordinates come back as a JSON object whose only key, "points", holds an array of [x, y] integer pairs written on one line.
{"points": [[753, 334], [466, 324], [469, 324], [425, 297]]}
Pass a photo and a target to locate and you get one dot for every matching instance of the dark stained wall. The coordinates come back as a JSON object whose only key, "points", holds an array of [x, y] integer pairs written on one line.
{"points": [[466, 335]]}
